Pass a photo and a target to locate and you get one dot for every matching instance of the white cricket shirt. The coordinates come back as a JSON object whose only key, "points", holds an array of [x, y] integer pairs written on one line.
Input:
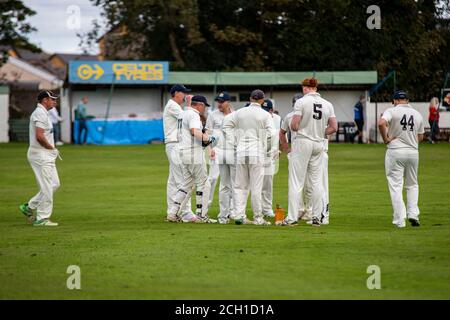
{"points": [[41, 119], [251, 126], [315, 112], [404, 124], [189, 119], [171, 113], [214, 125]]}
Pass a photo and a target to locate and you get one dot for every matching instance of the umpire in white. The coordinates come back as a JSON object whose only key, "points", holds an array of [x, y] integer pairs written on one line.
{"points": [[402, 129], [42, 156]]}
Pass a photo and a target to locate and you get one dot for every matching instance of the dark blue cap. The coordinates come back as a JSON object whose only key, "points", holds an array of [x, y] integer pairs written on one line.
{"points": [[223, 96], [179, 88], [400, 95], [267, 105], [201, 99]]}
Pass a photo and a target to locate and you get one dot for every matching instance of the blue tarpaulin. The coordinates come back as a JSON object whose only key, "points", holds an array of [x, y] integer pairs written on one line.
{"points": [[131, 131]]}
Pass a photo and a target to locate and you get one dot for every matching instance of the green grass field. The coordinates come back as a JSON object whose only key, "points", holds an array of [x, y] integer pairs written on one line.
{"points": [[111, 210]]}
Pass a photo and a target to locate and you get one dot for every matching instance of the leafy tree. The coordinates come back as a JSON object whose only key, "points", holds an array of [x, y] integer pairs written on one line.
{"points": [[14, 28], [291, 35]]}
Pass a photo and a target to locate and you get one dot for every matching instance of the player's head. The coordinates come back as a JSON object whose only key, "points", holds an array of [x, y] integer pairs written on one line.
{"points": [[296, 97], [267, 105], [85, 100], [178, 93], [257, 96], [47, 99], [309, 85], [223, 101], [400, 97], [199, 103]]}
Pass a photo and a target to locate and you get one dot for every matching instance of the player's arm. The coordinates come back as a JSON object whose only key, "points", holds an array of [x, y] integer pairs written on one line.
{"points": [[295, 122], [421, 131], [229, 124], [40, 137], [199, 135], [271, 136], [332, 126], [297, 117], [383, 127], [284, 145], [229, 134], [174, 111], [209, 130], [420, 137]]}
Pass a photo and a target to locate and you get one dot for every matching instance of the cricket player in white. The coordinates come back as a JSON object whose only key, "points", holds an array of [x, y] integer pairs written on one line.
{"points": [[172, 111], [402, 129], [214, 127], [224, 157], [270, 165], [42, 156], [305, 207], [314, 119], [325, 219], [252, 129], [213, 172], [191, 143]]}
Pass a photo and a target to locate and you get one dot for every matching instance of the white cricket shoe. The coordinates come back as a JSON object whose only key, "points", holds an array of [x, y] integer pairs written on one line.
{"points": [[243, 221], [315, 222], [306, 216], [190, 217], [402, 225], [270, 214], [287, 223], [206, 219], [44, 223], [261, 222], [173, 218], [224, 221]]}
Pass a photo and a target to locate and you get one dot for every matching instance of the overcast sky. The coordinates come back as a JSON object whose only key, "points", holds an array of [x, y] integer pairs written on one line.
{"points": [[56, 23]]}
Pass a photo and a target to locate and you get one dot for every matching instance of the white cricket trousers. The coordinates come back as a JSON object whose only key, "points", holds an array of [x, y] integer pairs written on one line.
{"points": [[43, 163], [305, 203], [195, 176], [249, 178], [401, 168], [175, 178], [326, 191], [213, 176], [306, 163], [267, 189], [226, 199]]}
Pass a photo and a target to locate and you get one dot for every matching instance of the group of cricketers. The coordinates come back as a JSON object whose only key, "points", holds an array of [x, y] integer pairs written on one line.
{"points": [[242, 147]]}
